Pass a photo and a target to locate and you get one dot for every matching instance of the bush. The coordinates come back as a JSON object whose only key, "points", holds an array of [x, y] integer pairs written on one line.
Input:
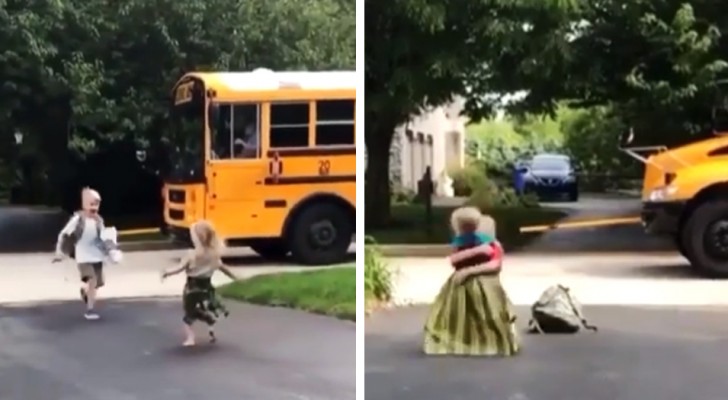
{"points": [[377, 276], [403, 196], [468, 180], [490, 195]]}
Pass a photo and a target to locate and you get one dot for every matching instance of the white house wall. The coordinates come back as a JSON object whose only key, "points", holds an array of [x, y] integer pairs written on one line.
{"points": [[423, 142]]}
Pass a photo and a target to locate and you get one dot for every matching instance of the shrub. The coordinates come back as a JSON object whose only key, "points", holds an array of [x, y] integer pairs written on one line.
{"points": [[377, 275], [491, 195], [403, 196], [467, 180]]}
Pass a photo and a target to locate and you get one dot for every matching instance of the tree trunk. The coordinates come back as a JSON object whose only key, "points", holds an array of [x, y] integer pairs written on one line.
{"points": [[377, 195]]}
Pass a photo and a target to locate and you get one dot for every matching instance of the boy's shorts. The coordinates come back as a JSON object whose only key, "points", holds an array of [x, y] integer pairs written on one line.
{"points": [[92, 270]]}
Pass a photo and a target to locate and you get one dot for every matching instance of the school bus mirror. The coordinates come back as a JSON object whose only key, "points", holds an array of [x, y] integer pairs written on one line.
{"points": [[626, 138], [141, 155]]}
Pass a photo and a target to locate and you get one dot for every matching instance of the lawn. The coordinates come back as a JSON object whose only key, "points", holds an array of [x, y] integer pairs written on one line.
{"points": [[409, 225], [329, 291]]}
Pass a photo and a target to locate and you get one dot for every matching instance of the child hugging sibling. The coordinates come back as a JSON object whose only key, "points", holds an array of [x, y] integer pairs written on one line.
{"points": [[472, 314]]}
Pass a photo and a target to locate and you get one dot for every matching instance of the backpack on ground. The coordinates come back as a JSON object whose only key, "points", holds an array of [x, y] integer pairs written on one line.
{"points": [[557, 311]]}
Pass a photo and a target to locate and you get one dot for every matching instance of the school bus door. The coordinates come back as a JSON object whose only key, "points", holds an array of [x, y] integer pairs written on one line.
{"points": [[237, 171]]}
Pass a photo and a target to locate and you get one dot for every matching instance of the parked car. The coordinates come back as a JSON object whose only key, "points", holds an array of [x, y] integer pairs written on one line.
{"points": [[550, 175]]}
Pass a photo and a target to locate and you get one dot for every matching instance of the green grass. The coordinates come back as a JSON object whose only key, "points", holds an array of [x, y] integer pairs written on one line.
{"points": [[409, 225], [330, 291]]}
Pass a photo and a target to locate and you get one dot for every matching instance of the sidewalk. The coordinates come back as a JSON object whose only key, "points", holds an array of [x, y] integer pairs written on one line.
{"points": [[31, 278], [635, 279]]}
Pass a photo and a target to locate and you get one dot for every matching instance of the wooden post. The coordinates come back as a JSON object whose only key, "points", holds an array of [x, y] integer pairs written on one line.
{"points": [[426, 190]]}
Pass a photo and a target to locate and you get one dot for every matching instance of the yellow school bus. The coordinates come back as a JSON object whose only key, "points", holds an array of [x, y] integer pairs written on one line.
{"points": [[268, 157]]}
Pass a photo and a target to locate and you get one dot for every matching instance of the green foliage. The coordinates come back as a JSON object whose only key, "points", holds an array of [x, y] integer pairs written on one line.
{"points": [[403, 196], [83, 75], [493, 196], [420, 53], [498, 144], [468, 179], [592, 137], [378, 278]]}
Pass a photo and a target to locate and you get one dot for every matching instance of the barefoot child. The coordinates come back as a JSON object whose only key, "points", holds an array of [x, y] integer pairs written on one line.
{"points": [[199, 298], [81, 239]]}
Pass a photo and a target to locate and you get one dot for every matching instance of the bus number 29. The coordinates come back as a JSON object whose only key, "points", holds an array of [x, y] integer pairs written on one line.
{"points": [[324, 167]]}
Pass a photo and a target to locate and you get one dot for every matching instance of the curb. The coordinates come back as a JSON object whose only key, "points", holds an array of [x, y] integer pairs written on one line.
{"points": [[441, 251], [149, 245]]}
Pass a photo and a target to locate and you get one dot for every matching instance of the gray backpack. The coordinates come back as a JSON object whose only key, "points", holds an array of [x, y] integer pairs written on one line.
{"points": [[557, 311], [68, 242]]}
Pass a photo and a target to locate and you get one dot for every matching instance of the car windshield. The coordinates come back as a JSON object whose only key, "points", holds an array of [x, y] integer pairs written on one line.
{"points": [[550, 164]]}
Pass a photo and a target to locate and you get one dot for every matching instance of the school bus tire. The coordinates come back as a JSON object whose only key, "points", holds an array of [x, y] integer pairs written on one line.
{"points": [[702, 222], [680, 245], [336, 221], [271, 249]]}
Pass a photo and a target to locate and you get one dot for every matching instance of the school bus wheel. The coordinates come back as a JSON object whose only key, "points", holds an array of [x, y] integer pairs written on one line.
{"points": [[320, 233], [271, 249], [679, 244], [705, 238]]}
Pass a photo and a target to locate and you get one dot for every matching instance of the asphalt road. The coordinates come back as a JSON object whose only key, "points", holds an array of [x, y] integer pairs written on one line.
{"points": [[49, 352], [656, 353], [614, 238]]}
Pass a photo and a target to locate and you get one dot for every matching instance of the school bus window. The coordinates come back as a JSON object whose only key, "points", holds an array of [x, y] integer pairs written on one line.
{"points": [[335, 122], [289, 125], [221, 135], [246, 131]]}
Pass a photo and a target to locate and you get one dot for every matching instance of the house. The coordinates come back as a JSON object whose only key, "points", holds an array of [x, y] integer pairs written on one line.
{"points": [[434, 138]]}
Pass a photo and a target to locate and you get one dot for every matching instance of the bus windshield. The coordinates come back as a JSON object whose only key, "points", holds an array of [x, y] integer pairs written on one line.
{"points": [[185, 143]]}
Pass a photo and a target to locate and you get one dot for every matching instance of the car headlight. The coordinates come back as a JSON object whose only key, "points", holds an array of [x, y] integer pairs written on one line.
{"points": [[663, 193]]}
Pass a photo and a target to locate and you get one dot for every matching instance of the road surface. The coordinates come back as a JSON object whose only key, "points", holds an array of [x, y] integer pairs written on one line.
{"points": [[662, 334], [662, 353], [615, 238], [48, 351]]}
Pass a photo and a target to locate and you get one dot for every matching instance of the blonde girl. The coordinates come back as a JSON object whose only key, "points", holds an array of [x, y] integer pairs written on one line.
{"points": [[200, 263]]}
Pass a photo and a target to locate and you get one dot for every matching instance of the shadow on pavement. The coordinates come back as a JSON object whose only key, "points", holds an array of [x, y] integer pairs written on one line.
{"points": [[640, 353], [134, 352]]}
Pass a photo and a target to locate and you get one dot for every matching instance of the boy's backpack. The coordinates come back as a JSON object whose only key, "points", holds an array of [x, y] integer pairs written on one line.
{"points": [[557, 311], [68, 242]]}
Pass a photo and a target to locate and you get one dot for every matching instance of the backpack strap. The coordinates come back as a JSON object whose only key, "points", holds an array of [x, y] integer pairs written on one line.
{"points": [[576, 311], [534, 327]]}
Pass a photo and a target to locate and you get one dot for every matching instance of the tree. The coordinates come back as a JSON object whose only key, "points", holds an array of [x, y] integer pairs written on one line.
{"points": [[94, 76], [421, 53]]}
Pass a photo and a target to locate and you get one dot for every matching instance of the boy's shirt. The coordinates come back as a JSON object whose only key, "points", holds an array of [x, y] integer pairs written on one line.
{"points": [[473, 249]]}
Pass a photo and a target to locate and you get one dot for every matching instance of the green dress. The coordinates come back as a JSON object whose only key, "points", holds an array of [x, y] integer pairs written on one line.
{"points": [[473, 318]]}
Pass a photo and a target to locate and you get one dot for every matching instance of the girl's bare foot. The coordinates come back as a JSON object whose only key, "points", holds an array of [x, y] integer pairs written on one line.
{"points": [[190, 335], [213, 338]]}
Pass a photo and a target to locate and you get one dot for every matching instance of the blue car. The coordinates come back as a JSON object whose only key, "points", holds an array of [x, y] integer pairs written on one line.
{"points": [[551, 175]]}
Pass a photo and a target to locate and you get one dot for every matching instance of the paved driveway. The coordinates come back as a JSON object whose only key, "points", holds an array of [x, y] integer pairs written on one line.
{"points": [[49, 352], [656, 353]]}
